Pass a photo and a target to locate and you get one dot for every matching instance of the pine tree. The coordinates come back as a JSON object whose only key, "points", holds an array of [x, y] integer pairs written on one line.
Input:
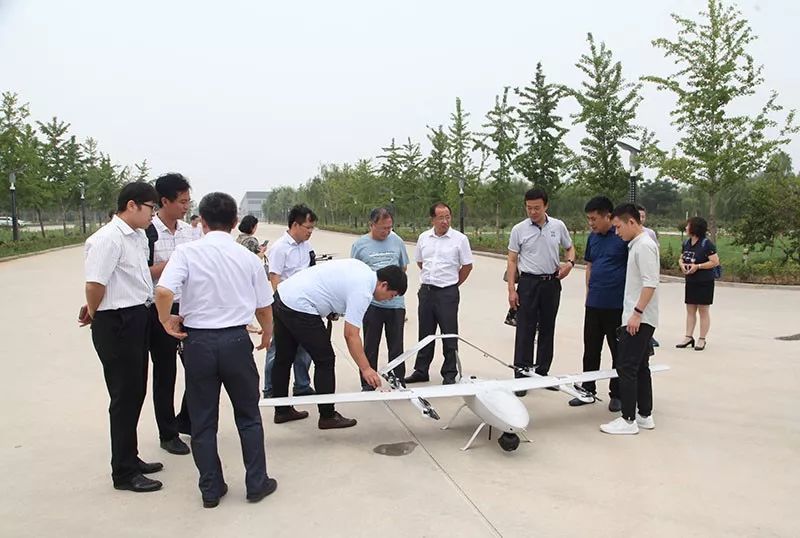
{"points": [[608, 109], [544, 158], [436, 166]]}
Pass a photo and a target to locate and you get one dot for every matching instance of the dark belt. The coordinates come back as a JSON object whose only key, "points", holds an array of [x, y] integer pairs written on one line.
{"points": [[553, 276], [437, 288], [237, 327]]}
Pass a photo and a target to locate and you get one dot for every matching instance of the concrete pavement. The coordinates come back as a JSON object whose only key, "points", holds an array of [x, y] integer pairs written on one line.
{"points": [[721, 462]]}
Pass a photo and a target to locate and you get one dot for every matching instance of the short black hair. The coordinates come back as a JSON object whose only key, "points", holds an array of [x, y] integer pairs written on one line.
{"points": [[194, 217], [380, 213], [698, 227], [218, 210], [248, 224], [640, 207], [625, 211], [169, 185], [111, 214], [536, 194], [301, 214], [437, 205], [600, 204], [394, 277], [139, 192]]}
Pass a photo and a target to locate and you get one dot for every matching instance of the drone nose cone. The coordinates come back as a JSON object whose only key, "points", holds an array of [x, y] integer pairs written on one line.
{"points": [[508, 411]]}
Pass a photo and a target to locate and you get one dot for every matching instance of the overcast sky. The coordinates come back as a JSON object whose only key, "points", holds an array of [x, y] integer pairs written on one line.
{"points": [[246, 95]]}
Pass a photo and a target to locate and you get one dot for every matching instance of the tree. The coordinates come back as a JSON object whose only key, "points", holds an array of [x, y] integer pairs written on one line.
{"points": [[61, 157], [436, 166], [500, 141], [461, 171], [718, 148], [143, 172], [660, 197], [608, 109], [770, 218], [544, 157]]}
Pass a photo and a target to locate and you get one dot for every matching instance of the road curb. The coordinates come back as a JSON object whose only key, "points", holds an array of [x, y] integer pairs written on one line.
{"points": [[37, 252]]}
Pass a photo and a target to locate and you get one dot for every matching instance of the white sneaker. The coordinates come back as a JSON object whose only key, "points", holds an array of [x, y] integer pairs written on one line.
{"points": [[646, 423], [620, 426]]}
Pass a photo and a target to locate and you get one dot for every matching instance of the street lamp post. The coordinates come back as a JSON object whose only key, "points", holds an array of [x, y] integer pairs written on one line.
{"points": [[461, 205], [633, 163], [83, 209], [12, 180]]}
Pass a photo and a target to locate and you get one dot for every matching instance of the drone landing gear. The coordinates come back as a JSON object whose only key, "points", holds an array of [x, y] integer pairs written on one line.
{"points": [[508, 441]]}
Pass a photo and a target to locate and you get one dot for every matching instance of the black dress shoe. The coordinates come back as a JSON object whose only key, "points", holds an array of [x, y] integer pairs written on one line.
{"points": [[552, 389], [269, 488], [520, 393], [577, 402], [308, 391], [615, 405], [140, 484], [213, 503], [175, 446], [417, 377], [689, 342], [449, 381], [290, 415], [335, 422], [149, 468]]}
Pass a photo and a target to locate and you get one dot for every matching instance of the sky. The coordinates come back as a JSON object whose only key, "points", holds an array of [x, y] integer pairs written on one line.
{"points": [[245, 95]]}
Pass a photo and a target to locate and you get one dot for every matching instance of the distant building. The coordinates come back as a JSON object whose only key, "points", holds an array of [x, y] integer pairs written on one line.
{"points": [[252, 204]]}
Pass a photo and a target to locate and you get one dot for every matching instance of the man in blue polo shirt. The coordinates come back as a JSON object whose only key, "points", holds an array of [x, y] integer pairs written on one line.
{"points": [[606, 261]]}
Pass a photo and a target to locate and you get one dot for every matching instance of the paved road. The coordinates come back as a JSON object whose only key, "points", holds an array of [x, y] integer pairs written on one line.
{"points": [[723, 460]]}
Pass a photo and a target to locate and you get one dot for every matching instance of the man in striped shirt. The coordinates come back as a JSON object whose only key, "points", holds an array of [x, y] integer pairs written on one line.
{"points": [[169, 231], [119, 292]]}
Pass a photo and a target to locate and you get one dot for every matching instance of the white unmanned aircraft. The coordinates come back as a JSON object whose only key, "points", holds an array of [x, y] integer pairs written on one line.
{"points": [[493, 401]]}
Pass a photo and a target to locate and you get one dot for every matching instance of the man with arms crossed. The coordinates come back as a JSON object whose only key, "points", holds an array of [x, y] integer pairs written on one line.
{"points": [[222, 285], [302, 302], [379, 248], [119, 293], [639, 321]]}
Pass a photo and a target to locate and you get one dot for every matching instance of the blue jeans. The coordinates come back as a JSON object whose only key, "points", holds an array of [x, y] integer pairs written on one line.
{"points": [[302, 362]]}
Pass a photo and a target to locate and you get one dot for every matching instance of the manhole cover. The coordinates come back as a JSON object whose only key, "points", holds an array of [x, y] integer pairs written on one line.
{"points": [[790, 337], [396, 449]]}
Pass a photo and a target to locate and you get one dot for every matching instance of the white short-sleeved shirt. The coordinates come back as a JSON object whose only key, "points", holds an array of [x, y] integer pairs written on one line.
{"points": [[167, 241], [338, 286], [442, 256], [197, 231], [642, 272], [287, 256], [116, 257], [538, 248], [223, 284]]}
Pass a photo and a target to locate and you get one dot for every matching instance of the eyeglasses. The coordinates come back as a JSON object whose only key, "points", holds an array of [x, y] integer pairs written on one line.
{"points": [[151, 206]]}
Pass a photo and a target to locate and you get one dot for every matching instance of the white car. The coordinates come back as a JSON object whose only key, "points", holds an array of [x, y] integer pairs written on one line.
{"points": [[7, 221]]}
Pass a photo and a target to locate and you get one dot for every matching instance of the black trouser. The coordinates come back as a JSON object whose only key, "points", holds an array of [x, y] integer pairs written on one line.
{"points": [[375, 321], [538, 306], [292, 328], [163, 349], [635, 384], [600, 323], [438, 307], [216, 357], [120, 338]]}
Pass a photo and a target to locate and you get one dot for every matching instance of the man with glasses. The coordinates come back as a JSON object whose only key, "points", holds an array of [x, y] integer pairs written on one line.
{"points": [[445, 259], [169, 231], [380, 248], [290, 254], [119, 294]]}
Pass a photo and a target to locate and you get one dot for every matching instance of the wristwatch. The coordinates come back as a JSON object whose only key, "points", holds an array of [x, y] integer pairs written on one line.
{"points": [[572, 262]]}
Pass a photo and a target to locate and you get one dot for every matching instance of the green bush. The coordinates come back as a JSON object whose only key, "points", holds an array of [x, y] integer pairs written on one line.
{"points": [[30, 242]]}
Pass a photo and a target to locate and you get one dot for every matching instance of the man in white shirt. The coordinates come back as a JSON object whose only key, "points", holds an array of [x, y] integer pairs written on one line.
{"points": [[445, 260], [197, 229], [170, 231], [222, 285], [534, 280], [119, 292], [301, 303], [290, 254], [639, 321]]}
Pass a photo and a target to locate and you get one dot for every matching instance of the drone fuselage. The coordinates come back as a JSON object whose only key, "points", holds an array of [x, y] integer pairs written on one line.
{"points": [[499, 408]]}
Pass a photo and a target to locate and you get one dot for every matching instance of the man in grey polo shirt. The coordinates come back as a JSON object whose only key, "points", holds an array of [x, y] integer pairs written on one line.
{"points": [[533, 261], [639, 321]]}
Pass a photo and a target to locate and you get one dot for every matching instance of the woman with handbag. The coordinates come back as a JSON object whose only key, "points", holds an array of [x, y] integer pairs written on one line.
{"points": [[698, 261]]}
